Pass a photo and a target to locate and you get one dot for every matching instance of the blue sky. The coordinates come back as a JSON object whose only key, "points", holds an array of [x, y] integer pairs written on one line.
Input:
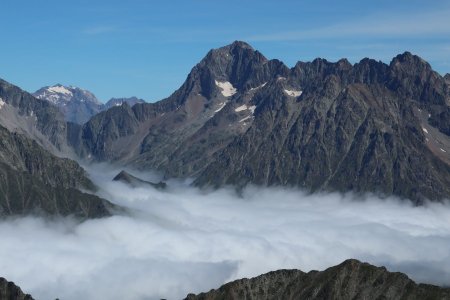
{"points": [[146, 48]]}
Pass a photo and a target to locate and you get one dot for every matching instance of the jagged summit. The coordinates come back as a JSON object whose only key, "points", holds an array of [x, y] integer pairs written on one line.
{"points": [[234, 46], [410, 63], [447, 78]]}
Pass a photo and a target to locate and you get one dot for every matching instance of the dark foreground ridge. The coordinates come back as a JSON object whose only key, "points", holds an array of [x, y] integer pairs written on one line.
{"points": [[351, 279], [10, 291]]}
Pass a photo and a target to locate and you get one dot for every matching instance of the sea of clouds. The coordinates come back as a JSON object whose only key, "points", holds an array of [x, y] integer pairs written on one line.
{"points": [[181, 240]]}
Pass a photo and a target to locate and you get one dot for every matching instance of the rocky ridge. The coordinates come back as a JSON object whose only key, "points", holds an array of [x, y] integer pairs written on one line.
{"points": [[349, 280]]}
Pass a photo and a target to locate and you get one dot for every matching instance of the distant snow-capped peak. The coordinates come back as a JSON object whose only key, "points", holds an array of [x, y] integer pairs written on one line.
{"points": [[61, 95]]}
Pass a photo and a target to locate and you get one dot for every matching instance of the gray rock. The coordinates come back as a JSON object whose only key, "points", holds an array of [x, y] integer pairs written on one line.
{"points": [[10, 291], [134, 181]]}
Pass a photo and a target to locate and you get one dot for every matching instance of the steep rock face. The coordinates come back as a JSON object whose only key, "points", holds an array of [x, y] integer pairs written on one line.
{"points": [[34, 181], [240, 118], [10, 291], [179, 134], [352, 128], [349, 280]]}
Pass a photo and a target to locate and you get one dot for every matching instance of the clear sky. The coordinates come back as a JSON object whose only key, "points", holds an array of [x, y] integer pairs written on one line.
{"points": [[146, 48]]}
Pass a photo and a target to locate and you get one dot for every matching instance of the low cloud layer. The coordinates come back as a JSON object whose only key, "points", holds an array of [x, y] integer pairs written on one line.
{"points": [[183, 240]]}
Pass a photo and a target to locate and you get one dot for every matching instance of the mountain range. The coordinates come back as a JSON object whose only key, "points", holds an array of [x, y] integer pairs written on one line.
{"points": [[241, 119], [78, 105]]}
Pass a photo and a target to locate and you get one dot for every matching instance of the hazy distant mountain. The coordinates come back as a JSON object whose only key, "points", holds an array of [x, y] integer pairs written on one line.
{"points": [[349, 280], [78, 105], [240, 118], [119, 101]]}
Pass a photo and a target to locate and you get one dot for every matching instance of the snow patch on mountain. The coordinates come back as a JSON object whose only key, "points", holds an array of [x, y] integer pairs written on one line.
{"points": [[244, 119], [2, 103], [59, 89], [293, 93], [228, 89], [222, 105], [258, 87], [245, 107], [241, 108]]}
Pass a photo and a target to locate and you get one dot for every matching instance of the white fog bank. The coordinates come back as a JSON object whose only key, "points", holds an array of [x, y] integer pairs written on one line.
{"points": [[182, 240]]}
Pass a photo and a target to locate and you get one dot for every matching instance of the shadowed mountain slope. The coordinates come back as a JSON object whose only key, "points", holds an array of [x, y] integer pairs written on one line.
{"points": [[34, 181]]}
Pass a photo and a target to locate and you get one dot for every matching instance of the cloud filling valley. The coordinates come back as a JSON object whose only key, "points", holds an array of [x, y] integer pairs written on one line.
{"points": [[183, 240]]}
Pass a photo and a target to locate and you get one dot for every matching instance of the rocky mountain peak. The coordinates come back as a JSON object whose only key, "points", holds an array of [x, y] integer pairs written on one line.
{"points": [[233, 61], [77, 105], [59, 94], [409, 63], [237, 65], [447, 78]]}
